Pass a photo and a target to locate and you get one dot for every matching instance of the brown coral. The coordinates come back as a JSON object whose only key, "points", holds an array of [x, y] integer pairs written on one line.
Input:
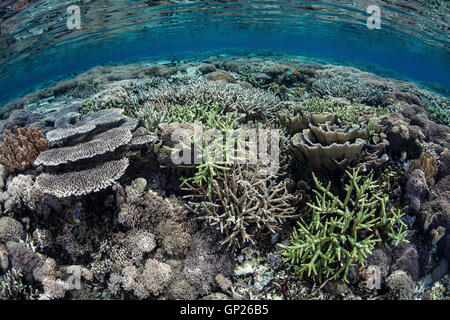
{"points": [[21, 146], [429, 165], [243, 204], [328, 148], [333, 146]]}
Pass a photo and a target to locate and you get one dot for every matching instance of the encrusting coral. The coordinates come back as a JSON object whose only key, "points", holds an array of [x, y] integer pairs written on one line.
{"points": [[337, 233], [21, 147]]}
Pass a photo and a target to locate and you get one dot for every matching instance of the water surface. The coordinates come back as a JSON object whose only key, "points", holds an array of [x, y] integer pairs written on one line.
{"points": [[37, 46]]}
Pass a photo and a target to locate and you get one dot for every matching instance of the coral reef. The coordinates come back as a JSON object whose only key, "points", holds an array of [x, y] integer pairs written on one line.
{"points": [[20, 147], [98, 209], [348, 87], [416, 189], [10, 230], [428, 165], [242, 204], [81, 182], [152, 280], [337, 233], [13, 288], [400, 286], [88, 140], [330, 145], [254, 103]]}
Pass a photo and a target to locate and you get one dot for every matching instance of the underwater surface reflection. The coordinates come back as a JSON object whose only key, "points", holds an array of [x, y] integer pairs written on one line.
{"points": [[37, 45]]}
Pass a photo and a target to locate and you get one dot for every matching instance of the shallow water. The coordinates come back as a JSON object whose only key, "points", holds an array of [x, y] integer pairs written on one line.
{"points": [[37, 46]]}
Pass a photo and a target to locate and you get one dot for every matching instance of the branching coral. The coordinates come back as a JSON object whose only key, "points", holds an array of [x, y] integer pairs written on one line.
{"points": [[152, 280], [338, 232], [165, 218], [254, 103], [98, 120], [20, 147], [207, 147], [350, 88], [242, 204], [13, 288]]}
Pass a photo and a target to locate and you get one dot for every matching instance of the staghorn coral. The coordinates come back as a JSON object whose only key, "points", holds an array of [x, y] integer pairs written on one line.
{"points": [[337, 233], [242, 204], [254, 103], [352, 84], [89, 123], [20, 147], [13, 288], [82, 182]]}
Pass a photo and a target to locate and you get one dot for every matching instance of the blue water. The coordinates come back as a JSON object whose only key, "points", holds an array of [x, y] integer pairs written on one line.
{"points": [[413, 41]]}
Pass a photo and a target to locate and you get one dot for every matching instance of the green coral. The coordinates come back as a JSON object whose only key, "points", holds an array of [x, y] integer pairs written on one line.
{"points": [[209, 115], [248, 76], [354, 113], [214, 160], [436, 112], [339, 232], [12, 287]]}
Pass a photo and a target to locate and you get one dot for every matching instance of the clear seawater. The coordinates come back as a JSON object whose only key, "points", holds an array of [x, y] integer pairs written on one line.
{"points": [[37, 47]]}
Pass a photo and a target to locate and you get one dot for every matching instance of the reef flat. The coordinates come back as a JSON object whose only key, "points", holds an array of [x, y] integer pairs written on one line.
{"points": [[261, 177]]}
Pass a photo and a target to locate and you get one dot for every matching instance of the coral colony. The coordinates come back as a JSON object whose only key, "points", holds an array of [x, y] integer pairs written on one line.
{"points": [[225, 178]]}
